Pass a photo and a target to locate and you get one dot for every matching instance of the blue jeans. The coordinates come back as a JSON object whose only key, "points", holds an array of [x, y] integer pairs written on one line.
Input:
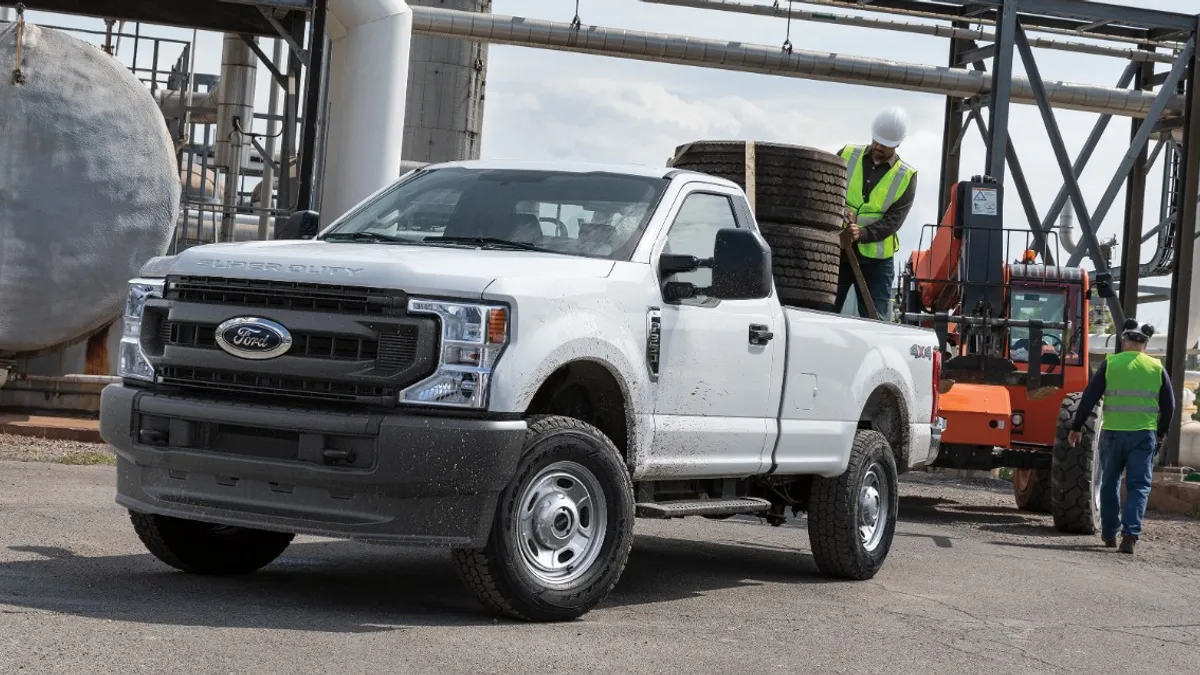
{"points": [[1131, 453], [879, 275]]}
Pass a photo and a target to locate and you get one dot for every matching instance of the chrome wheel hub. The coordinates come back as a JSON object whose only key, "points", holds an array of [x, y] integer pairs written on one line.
{"points": [[873, 499], [562, 518]]}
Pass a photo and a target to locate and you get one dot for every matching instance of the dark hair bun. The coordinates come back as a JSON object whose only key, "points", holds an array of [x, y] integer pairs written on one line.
{"points": [[1130, 324]]}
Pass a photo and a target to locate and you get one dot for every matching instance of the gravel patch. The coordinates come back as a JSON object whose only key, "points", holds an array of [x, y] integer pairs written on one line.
{"points": [[31, 449], [984, 509]]}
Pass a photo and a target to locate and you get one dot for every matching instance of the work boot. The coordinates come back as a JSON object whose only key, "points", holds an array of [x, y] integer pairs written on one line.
{"points": [[1127, 544], [1109, 542]]}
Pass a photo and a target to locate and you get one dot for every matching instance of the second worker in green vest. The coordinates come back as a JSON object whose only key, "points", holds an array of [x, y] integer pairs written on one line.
{"points": [[879, 194], [1139, 403]]}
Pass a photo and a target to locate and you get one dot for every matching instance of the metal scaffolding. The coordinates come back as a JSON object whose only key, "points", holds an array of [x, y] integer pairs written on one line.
{"points": [[979, 79], [299, 77]]}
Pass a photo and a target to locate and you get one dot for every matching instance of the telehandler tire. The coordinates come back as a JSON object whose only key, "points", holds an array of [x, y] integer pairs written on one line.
{"points": [[1075, 472], [1031, 488]]}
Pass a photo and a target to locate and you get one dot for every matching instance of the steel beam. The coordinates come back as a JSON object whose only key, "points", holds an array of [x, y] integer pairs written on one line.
{"points": [[1060, 153], [1181, 276], [312, 103], [1102, 11], [1085, 154], [1141, 138], [287, 147], [1002, 71], [952, 133], [1135, 207]]}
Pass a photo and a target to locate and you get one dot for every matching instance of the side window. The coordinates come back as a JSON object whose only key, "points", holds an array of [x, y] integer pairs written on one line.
{"points": [[694, 232]]}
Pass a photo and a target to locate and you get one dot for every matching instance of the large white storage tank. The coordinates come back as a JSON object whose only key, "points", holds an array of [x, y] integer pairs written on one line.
{"points": [[89, 188]]}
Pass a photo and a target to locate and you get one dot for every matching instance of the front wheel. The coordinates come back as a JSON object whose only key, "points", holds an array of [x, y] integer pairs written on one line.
{"points": [[852, 517], [205, 548], [563, 527]]}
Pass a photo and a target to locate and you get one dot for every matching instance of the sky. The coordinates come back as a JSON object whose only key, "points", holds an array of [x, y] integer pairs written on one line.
{"points": [[583, 107]]}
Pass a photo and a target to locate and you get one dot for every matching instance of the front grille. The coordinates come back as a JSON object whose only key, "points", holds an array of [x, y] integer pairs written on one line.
{"points": [[243, 383], [260, 294], [351, 345], [393, 351]]}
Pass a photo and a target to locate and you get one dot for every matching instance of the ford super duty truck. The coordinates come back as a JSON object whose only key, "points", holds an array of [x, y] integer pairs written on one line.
{"points": [[514, 361]]}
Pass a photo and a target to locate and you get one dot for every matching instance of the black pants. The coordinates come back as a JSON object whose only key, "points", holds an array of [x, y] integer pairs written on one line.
{"points": [[879, 275]]}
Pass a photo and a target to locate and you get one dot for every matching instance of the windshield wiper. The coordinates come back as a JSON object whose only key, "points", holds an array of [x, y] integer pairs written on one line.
{"points": [[489, 241], [367, 236]]}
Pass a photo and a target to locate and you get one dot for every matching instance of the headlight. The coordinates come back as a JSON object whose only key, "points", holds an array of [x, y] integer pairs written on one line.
{"points": [[472, 338], [1018, 419], [132, 363]]}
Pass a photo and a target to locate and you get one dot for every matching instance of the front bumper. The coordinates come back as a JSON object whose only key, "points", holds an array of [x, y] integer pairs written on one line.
{"points": [[375, 476]]}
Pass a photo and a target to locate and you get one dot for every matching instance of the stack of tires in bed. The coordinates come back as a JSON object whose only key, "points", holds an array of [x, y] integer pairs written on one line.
{"points": [[799, 195]]}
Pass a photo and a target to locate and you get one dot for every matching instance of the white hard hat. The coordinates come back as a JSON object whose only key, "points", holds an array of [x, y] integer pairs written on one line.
{"points": [[890, 127]]}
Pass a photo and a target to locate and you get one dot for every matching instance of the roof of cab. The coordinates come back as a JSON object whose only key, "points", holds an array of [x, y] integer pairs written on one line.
{"points": [[582, 167]]}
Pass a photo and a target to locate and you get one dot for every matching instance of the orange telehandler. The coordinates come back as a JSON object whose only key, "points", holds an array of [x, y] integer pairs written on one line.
{"points": [[1014, 338]]}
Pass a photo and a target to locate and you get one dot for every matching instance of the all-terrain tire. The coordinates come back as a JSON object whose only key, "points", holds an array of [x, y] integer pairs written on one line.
{"points": [[204, 548], [793, 184], [1075, 472], [500, 575], [836, 507], [1031, 489], [806, 264]]}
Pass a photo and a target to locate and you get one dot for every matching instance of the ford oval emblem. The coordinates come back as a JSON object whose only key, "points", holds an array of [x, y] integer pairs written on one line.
{"points": [[250, 337]]}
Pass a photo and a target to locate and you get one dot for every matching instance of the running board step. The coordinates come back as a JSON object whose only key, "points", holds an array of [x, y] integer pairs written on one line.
{"points": [[701, 507]]}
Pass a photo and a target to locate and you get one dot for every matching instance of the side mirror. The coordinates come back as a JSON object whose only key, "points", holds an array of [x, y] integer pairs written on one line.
{"points": [[300, 225], [741, 267]]}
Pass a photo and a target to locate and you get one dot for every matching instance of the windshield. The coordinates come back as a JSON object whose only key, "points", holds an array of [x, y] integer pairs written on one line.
{"points": [[1027, 305], [599, 215]]}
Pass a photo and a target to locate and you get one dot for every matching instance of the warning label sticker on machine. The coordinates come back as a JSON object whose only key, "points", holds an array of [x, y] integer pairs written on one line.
{"points": [[984, 202]]}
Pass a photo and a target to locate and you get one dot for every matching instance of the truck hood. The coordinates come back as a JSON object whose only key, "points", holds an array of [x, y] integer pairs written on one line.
{"points": [[417, 270]]}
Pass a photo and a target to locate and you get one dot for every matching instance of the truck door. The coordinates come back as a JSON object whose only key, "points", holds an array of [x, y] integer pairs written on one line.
{"points": [[716, 398]]}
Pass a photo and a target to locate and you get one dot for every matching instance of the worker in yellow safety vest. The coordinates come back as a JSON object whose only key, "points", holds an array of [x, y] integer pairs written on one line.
{"points": [[1139, 403], [879, 194]]}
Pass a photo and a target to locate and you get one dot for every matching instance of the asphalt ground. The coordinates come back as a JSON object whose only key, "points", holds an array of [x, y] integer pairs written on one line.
{"points": [[971, 586]]}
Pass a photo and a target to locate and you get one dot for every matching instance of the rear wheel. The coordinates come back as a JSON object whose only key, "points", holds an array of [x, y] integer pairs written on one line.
{"points": [[1075, 473], [852, 517], [205, 548], [563, 527], [1031, 488]]}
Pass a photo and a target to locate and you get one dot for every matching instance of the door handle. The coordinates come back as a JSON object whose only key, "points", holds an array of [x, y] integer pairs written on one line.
{"points": [[759, 335]]}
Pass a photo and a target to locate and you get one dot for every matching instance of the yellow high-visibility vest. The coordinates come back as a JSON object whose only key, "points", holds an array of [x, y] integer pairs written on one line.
{"points": [[1132, 382], [890, 189]]}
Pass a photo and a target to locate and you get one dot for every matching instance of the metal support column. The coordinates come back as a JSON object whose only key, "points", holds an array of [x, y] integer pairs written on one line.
{"points": [[1135, 205], [313, 116], [287, 147], [951, 135], [1002, 70], [1181, 276]]}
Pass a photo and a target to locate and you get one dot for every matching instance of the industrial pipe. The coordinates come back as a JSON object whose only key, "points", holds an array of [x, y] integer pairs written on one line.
{"points": [[943, 31], [771, 60], [368, 81]]}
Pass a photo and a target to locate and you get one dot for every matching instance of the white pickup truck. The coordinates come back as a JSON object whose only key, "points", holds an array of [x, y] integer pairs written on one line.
{"points": [[513, 360]]}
